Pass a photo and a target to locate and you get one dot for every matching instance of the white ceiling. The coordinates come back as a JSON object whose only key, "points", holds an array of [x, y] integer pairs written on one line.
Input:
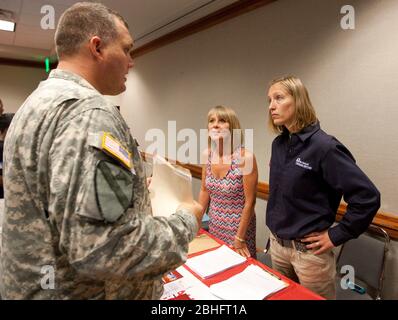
{"points": [[148, 20]]}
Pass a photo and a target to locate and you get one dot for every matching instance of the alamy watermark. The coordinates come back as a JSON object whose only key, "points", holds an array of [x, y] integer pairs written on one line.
{"points": [[348, 280], [349, 276], [347, 22], [191, 145], [48, 20], [47, 282]]}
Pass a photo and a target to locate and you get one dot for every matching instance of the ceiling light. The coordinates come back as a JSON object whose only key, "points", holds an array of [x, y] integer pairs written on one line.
{"points": [[7, 25]]}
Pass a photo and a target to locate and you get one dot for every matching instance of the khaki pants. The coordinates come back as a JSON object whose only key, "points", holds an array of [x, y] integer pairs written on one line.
{"points": [[315, 272]]}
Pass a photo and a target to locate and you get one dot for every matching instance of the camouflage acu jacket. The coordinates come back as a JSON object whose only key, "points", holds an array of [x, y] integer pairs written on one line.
{"points": [[58, 242]]}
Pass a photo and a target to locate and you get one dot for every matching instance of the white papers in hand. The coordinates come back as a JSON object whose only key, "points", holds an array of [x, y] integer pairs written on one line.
{"points": [[170, 186], [251, 284], [216, 261]]}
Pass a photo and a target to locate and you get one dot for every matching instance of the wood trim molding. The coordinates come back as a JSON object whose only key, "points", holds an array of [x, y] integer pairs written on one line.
{"points": [[236, 9], [387, 221]]}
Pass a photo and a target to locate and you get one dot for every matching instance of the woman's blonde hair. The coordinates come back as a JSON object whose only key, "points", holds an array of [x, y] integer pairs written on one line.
{"points": [[304, 114], [229, 115]]}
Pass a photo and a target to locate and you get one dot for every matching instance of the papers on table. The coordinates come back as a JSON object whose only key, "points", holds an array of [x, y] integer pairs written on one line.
{"points": [[216, 261], [186, 283], [253, 283], [170, 186], [195, 288], [173, 289]]}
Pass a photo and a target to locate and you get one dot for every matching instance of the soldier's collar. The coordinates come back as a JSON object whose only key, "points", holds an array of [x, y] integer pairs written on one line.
{"points": [[68, 75]]}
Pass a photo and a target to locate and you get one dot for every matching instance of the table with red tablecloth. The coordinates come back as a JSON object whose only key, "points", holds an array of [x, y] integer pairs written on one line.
{"points": [[293, 291]]}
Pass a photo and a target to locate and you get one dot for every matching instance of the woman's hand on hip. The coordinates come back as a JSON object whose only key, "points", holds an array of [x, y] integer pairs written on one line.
{"points": [[318, 241]]}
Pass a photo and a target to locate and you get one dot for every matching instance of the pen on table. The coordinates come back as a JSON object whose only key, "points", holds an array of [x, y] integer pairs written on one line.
{"points": [[274, 275]]}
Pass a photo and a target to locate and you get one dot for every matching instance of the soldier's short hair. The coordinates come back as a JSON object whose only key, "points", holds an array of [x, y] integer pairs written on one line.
{"points": [[81, 22]]}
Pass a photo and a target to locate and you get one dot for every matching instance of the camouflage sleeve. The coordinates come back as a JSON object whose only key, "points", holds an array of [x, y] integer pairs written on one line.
{"points": [[136, 244]]}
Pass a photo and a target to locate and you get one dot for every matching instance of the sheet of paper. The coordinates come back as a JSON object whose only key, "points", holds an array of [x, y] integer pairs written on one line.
{"points": [[215, 261], [173, 289], [170, 186], [202, 242], [254, 283], [195, 288], [174, 285]]}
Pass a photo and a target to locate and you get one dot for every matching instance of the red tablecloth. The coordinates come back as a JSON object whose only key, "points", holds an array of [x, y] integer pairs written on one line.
{"points": [[294, 291]]}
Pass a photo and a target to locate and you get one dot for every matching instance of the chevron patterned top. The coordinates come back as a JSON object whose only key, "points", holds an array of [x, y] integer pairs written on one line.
{"points": [[227, 200]]}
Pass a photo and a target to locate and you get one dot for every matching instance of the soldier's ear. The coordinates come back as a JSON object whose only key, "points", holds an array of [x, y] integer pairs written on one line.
{"points": [[95, 46]]}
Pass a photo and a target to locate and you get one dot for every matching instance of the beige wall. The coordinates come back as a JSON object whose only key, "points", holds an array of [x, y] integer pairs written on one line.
{"points": [[352, 78], [17, 83]]}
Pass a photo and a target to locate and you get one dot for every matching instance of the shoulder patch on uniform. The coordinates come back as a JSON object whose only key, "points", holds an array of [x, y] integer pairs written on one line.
{"points": [[111, 146], [115, 149]]}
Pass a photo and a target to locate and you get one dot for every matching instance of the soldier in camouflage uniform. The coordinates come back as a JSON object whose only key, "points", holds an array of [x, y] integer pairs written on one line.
{"points": [[77, 212]]}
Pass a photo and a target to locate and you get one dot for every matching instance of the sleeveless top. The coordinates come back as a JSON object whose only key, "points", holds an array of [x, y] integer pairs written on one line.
{"points": [[227, 200]]}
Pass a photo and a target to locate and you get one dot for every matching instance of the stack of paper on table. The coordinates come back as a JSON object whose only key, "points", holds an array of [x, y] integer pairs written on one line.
{"points": [[253, 283], [170, 186], [195, 288], [216, 261]]}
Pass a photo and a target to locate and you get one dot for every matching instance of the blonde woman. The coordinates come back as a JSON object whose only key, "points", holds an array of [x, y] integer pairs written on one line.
{"points": [[229, 183], [310, 171]]}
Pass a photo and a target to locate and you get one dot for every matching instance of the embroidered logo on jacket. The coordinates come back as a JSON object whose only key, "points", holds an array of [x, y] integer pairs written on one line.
{"points": [[303, 164]]}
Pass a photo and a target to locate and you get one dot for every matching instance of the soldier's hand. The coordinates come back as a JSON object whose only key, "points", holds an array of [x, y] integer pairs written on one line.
{"points": [[195, 208]]}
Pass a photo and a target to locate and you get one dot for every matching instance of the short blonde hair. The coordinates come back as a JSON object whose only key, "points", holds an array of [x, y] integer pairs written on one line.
{"points": [[304, 114], [229, 115]]}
